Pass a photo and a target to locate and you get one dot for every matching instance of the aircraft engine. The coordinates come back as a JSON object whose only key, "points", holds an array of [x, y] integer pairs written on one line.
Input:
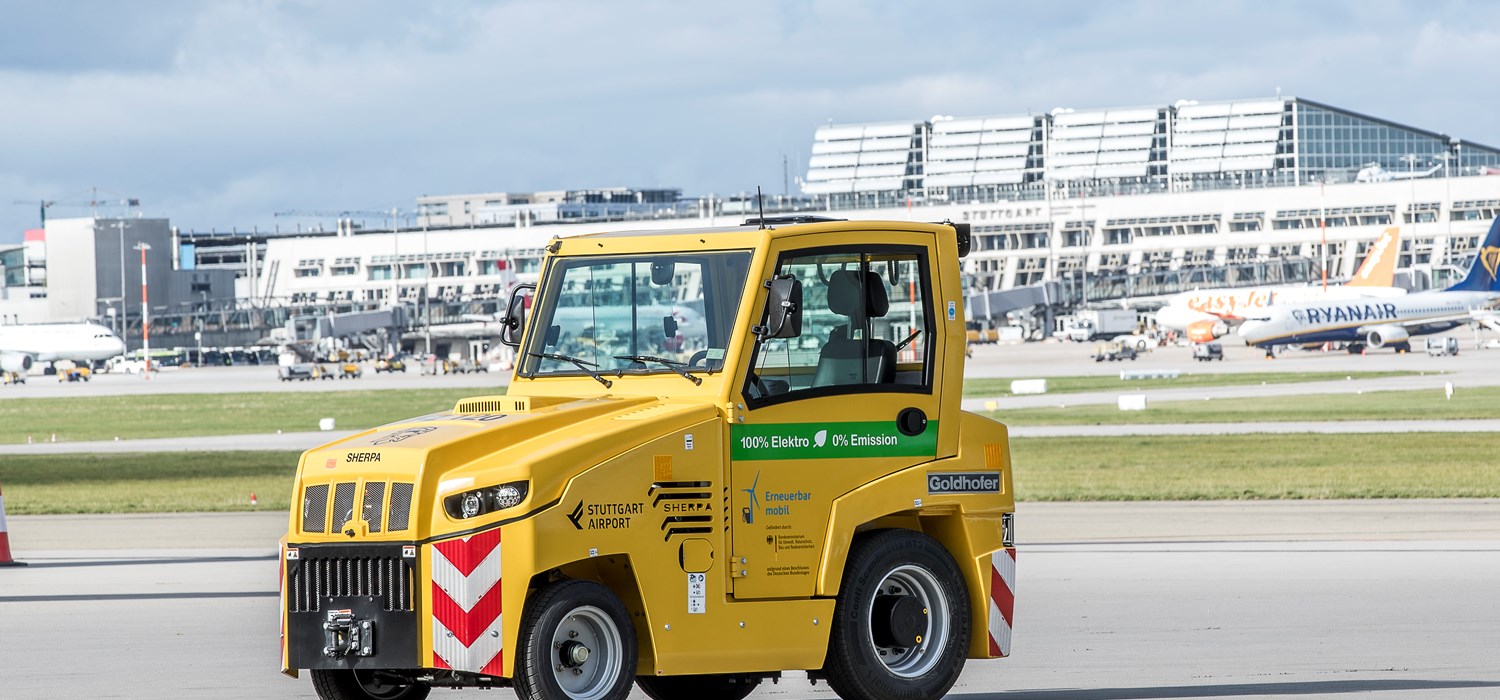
{"points": [[15, 361], [1380, 336], [1204, 331]]}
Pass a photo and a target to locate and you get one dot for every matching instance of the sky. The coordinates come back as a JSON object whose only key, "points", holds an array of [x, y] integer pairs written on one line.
{"points": [[219, 115]]}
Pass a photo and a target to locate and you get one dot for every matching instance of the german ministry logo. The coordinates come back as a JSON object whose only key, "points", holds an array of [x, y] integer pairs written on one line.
{"points": [[963, 482]]}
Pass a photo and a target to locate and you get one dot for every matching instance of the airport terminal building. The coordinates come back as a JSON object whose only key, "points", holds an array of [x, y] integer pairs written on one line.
{"points": [[1052, 196], [1107, 204]]}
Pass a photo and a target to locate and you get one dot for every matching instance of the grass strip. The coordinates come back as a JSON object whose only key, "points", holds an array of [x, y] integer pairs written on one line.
{"points": [[168, 482], [989, 386], [1254, 467], [77, 419], [1170, 468], [1428, 404]]}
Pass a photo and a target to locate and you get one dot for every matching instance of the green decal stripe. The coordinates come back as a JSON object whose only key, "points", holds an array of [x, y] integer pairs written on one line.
{"points": [[829, 441]]}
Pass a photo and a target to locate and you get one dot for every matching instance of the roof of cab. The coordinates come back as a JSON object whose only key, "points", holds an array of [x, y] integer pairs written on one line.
{"points": [[747, 235]]}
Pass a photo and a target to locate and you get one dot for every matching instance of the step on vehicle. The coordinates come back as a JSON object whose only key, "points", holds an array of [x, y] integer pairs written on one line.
{"points": [[724, 454]]}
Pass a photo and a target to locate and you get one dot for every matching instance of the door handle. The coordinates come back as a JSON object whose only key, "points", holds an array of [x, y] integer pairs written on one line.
{"points": [[911, 421]]}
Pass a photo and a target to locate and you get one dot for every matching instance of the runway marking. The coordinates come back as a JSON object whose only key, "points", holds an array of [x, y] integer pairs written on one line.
{"points": [[135, 596]]}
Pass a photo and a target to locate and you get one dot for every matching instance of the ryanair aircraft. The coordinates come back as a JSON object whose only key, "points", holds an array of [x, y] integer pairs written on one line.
{"points": [[1377, 323]]}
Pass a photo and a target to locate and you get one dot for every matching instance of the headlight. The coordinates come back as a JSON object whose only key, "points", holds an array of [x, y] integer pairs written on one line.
{"points": [[470, 504]]}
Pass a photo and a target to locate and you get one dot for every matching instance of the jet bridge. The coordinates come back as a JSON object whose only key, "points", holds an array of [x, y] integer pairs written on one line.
{"points": [[359, 328]]}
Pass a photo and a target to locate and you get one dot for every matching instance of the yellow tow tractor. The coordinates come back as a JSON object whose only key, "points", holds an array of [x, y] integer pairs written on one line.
{"points": [[725, 453]]}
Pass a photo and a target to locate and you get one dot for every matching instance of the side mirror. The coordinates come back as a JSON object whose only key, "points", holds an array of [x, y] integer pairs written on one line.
{"points": [[514, 322], [783, 309], [668, 327]]}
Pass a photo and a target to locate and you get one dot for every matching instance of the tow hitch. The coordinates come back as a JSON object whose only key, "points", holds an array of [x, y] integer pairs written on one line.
{"points": [[346, 636]]}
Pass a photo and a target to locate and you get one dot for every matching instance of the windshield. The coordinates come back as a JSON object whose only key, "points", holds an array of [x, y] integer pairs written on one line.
{"points": [[635, 314]]}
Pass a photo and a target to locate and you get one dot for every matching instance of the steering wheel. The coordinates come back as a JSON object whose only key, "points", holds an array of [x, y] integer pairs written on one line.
{"points": [[700, 356]]}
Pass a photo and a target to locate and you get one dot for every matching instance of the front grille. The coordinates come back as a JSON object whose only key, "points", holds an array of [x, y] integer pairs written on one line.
{"points": [[313, 579], [343, 505], [374, 503], [400, 507], [395, 517], [315, 508]]}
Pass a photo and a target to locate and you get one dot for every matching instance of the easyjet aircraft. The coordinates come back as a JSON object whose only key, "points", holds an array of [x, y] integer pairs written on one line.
{"points": [[1205, 314]]}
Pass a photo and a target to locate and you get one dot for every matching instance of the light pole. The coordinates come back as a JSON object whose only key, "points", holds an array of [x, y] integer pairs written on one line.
{"points": [[145, 311], [1446, 156], [1411, 164], [120, 224], [427, 295]]}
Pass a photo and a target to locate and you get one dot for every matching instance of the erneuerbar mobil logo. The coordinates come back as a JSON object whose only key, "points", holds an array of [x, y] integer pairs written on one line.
{"points": [[963, 482]]}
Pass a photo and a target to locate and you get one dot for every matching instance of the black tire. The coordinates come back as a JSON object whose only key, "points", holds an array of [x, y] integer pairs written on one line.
{"points": [[917, 588], [587, 616], [718, 686], [364, 685]]}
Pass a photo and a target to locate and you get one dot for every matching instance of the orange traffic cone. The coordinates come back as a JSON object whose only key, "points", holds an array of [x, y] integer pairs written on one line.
{"points": [[5, 558]]}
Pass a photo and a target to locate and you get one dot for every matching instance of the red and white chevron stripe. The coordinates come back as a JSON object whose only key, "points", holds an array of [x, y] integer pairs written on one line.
{"points": [[466, 604], [1002, 600]]}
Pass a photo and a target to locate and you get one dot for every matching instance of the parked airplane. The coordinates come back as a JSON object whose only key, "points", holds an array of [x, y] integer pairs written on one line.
{"points": [[23, 345], [1202, 313], [1378, 323]]}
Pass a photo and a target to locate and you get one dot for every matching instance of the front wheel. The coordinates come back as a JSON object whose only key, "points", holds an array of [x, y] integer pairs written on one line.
{"points": [[718, 686], [364, 685], [901, 626], [577, 643]]}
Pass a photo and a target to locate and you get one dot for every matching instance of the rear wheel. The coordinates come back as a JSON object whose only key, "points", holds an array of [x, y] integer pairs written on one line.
{"points": [[364, 685], [901, 626], [705, 687], [577, 643]]}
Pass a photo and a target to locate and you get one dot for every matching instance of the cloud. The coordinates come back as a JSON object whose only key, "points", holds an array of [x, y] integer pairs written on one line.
{"points": [[220, 114]]}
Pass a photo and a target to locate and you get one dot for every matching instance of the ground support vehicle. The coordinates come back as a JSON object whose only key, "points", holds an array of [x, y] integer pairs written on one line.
{"points": [[349, 370], [724, 454], [391, 364], [1208, 352], [1100, 324], [1112, 351], [1438, 347], [301, 372], [74, 374]]}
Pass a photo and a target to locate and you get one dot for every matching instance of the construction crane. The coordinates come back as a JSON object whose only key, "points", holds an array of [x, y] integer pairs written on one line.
{"points": [[93, 203]]}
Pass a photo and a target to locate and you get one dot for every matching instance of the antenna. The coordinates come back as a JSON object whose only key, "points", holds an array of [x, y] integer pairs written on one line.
{"points": [[761, 202]]}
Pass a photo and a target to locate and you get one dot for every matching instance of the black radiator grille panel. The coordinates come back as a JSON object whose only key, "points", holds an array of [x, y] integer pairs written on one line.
{"points": [[374, 504], [400, 507], [315, 508], [311, 581]]}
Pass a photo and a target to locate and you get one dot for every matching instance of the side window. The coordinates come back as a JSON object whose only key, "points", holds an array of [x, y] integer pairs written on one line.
{"points": [[866, 326]]}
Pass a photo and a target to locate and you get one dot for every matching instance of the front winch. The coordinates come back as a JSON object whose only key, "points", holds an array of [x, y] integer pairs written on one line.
{"points": [[347, 636]]}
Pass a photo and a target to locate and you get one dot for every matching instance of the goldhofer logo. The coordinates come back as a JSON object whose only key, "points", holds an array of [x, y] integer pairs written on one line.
{"points": [[963, 482]]}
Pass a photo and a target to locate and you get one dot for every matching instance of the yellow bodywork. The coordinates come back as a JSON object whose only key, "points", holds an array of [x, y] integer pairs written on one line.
{"points": [[641, 487]]}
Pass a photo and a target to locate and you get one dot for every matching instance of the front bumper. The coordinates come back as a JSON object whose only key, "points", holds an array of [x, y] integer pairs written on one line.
{"points": [[352, 606]]}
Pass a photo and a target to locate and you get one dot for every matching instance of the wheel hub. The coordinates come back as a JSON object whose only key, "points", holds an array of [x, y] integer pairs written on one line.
{"points": [[898, 621], [573, 654]]}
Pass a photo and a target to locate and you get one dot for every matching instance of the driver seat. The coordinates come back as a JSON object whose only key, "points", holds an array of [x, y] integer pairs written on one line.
{"points": [[851, 355]]}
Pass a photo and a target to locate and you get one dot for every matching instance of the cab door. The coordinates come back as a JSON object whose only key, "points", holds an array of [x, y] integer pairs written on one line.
{"points": [[848, 399]]}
